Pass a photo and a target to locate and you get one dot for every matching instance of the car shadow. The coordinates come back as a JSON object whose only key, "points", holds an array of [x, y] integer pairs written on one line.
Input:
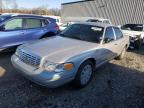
{"points": [[113, 86]]}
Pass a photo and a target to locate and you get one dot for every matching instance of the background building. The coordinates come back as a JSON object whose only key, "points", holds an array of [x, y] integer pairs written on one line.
{"points": [[118, 11]]}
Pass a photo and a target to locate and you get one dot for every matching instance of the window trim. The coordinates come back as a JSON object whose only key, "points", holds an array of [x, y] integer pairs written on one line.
{"points": [[105, 34]]}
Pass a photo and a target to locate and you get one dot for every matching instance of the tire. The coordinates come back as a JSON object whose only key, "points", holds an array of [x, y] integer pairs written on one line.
{"points": [[83, 76], [121, 56]]}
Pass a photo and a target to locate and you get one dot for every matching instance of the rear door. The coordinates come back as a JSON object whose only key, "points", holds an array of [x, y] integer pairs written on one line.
{"points": [[34, 29], [120, 41], [13, 33], [109, 46]]}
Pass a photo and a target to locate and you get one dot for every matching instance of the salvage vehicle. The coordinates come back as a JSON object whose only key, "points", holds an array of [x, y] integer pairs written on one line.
{"points": [[136, 34], [72, 55], [16, 29]]}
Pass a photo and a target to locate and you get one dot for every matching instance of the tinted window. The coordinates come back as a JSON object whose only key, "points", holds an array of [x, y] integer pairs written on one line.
{"points": [[109, 35], [14, 24], [32, 23], [118, 33], [133, 27], [84, 32]]}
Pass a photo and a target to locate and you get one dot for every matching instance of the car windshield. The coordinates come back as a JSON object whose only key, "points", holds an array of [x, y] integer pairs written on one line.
{"points": [[84, 32], [133, 27], [3, 17]]}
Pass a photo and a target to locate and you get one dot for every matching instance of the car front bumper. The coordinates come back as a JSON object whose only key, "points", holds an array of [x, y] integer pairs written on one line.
{"points": [[41, 76]]}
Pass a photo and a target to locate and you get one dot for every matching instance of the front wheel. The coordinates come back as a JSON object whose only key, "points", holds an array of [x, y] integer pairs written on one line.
{"points": [[84, 74]]}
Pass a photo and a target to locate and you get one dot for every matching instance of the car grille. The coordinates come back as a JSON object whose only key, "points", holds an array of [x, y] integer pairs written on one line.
{"points": [[29, 58]]}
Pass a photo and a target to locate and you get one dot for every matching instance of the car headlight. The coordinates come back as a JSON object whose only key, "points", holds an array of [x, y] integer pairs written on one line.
{"points": [[16, 53], [54, 67]]}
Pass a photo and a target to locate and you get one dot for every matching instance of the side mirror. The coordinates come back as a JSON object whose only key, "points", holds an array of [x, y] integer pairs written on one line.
{"points": [[2, 28]]}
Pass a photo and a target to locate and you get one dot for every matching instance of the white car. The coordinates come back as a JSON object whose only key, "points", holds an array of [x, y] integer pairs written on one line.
{"points": [[136, 34], [101, 20], [65, 25]]}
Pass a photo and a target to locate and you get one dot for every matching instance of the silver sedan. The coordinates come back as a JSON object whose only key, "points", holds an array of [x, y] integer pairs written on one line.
{"points": [[72, 55]]}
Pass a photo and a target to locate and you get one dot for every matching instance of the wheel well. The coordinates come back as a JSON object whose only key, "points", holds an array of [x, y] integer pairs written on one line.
{"points": [[92, 60]]}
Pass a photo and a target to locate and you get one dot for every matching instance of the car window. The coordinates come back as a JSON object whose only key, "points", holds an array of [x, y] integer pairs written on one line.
{"points": [[32, 23], [4, 17], [132, 27], [90, 33], [109, 35], [118, 33], [45, 22], [14, 24]]}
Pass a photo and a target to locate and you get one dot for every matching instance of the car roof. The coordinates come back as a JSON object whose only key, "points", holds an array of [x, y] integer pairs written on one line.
{"points": [[95, 24], [22, 15], [69, 19]]}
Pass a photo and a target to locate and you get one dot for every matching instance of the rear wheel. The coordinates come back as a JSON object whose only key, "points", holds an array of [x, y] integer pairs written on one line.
{"points": [[84, 74]]}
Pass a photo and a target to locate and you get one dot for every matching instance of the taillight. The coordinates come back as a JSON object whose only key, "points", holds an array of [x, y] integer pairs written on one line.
{"points": [[57, 27]]}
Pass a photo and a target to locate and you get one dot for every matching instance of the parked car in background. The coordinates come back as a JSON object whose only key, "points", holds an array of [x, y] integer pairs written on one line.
{"points": [[16, 29], [71, 56], [87, 19], [56, 19], [100, 20], [65, 25], [136, 34]]}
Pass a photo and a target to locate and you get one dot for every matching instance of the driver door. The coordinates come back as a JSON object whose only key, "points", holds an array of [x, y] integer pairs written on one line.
{"points": [[12, 33]]}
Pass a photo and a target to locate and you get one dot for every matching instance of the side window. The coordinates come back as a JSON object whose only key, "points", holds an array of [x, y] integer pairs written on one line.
{"points": [[44, 22], [32, 23], [109, 35], [118, 33], [14, 24]]}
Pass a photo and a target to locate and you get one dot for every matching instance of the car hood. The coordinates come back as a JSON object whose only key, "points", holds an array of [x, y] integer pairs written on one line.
{"points": [[132, 33], [58, 49]]}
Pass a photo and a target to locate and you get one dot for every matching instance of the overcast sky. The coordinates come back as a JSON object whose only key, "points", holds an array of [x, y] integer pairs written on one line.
{"points": [[37, 3]]}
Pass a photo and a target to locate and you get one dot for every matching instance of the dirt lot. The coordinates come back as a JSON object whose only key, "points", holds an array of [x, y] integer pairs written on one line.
{"points": [[118, 84]]}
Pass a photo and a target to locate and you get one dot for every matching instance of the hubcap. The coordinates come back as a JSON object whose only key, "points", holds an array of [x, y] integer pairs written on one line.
{"points": [[86, 74]]}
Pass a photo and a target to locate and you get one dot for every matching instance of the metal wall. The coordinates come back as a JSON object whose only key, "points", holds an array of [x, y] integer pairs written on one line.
{"points": [[118, 11]]}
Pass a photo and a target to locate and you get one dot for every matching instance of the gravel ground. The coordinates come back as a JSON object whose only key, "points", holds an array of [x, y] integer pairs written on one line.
{"points": [[117, 84]]}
